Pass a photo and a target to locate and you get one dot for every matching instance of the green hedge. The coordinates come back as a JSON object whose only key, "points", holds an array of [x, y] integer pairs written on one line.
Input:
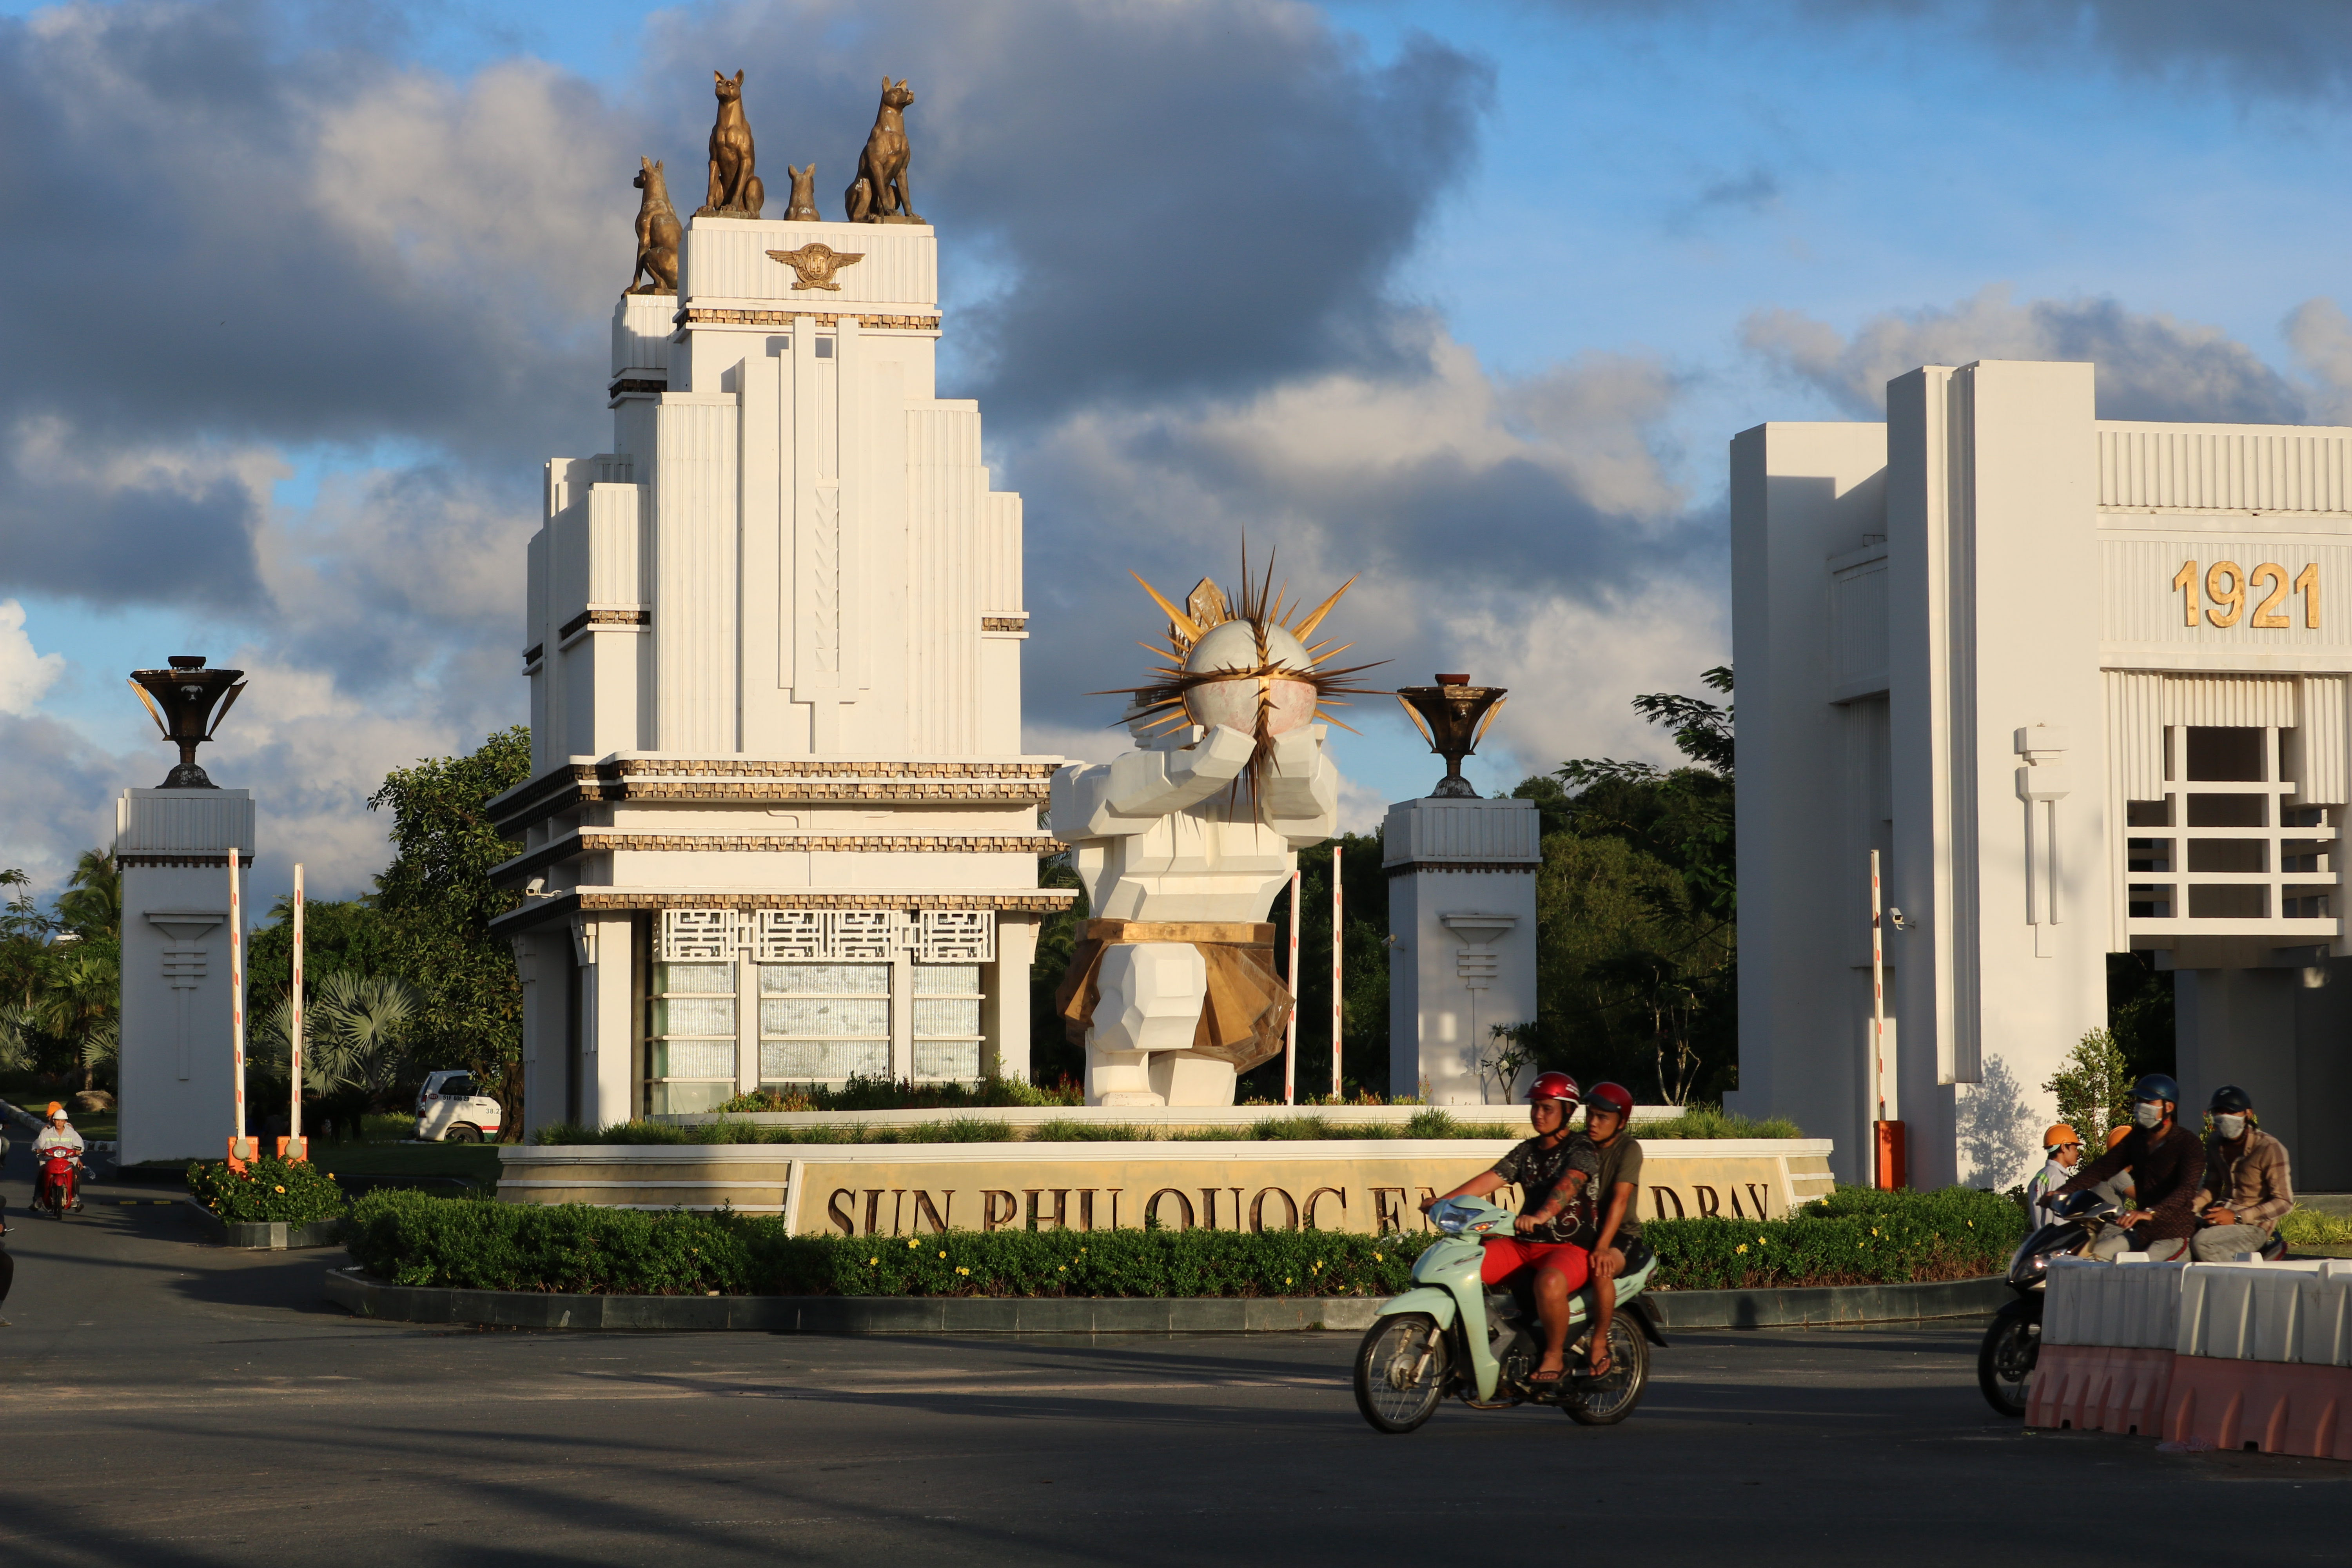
{"points": [[1854, 1237], [411, 1238], [296, 1192], [1429, 1122]]}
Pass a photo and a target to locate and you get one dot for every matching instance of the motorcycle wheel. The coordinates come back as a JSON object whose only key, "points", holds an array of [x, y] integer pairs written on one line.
{"points": [[1401, 1372], [2005, 1361], [1606, 1400]]}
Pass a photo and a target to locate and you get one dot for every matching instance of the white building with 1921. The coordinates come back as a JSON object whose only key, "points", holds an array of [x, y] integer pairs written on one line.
{"points": [[780, 828], [2086, 686]]}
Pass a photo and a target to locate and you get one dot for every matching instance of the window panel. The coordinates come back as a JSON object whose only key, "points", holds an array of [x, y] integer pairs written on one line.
{"points": [[803, 1061], [694, 1059], [821, 1017], [941, 1015], [693, 1015], [947, 980], [696, 979], [825, 979], [943, 1059]]}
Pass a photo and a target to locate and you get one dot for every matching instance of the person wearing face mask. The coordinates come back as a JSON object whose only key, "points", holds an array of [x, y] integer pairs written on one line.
{"points": [[2167, 1165], [2245, 1191]]}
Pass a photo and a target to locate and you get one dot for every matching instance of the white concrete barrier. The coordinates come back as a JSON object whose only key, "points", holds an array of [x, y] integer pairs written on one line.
{"points": [[2122, 1305], [2296, 1312]]}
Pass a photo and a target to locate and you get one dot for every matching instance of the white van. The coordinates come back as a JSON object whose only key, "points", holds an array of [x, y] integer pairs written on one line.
{"points": [[448, 1107]]}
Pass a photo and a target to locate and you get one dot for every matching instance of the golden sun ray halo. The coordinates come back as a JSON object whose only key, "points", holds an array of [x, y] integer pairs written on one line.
{"points": [[1232, 660]]}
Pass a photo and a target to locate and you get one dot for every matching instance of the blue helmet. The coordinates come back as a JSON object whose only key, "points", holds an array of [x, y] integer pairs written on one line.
{"points": [[2155, 1086]]}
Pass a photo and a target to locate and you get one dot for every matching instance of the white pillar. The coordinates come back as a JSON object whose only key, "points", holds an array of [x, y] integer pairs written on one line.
{"points": [[175, 1070], [1462, 918]]}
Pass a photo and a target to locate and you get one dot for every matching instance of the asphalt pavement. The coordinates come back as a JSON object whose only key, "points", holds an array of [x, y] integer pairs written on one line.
{"points": [[166, 1401]]}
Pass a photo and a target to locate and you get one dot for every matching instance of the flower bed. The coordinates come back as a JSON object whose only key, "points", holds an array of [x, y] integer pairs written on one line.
{"points": [[294, 1191], [409, 1238]]}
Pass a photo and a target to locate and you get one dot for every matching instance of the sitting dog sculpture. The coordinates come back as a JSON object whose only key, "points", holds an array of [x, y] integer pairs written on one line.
{"points": [[657, 232], [735, 188], [880, 195]]}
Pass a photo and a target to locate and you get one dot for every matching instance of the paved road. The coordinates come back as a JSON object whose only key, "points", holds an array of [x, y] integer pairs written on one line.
{"points": [[167, 1402]]}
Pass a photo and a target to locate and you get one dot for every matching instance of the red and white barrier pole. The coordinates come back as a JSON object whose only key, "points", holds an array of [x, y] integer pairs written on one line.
{"points": [[293, 1147], [1336, 927], [1290, 1029], [240, 1147]]}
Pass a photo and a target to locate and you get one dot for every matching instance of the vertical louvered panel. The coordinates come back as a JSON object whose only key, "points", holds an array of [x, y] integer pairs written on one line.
{"points": [[2136, 732]]}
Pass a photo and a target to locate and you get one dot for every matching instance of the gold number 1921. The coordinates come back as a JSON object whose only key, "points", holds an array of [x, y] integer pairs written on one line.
{"points": [[2225, 583]]}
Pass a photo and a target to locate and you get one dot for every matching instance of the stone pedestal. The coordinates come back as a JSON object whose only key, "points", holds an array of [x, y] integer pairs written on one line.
{"points": [[175, 1070], [1462, 912]]}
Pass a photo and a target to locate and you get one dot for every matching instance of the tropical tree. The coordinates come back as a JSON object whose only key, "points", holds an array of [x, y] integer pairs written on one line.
{"points": [[437, 898]]}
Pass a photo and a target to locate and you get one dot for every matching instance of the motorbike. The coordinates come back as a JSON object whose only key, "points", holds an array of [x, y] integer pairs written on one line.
{"points": [[1451, 1335], [2013, 1342], [58, 1188]]}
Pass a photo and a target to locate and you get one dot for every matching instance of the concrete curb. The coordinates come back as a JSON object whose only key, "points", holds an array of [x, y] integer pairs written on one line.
{"points": [[1831, 1304], [363, 1296], [265, 1235]]}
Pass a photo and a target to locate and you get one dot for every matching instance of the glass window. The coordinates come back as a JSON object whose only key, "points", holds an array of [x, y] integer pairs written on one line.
{"points": [[947, 1036], [691, 1038], [823, 1021]]}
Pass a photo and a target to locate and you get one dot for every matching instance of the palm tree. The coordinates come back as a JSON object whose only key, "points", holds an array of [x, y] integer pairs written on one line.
{"points": [[91, 904], [81, 987], [353, 1051]]}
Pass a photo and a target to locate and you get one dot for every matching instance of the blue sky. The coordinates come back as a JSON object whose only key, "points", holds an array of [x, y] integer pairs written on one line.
{"points": [[1643, 229]]}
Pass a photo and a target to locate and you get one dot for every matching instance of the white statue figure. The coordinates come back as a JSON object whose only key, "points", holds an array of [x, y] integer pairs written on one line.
{"points": [[1183, 844]]}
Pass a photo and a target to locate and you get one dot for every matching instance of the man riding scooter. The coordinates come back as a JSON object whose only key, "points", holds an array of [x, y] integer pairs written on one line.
{"points": [[2246, 1189], [1555, 1170], [1616, 1188], [2167, 1164], [59, 1134]]}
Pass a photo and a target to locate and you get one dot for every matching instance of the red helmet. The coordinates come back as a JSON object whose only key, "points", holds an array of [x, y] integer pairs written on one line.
{"points": [[1554, 1086], [1615, 1097]]}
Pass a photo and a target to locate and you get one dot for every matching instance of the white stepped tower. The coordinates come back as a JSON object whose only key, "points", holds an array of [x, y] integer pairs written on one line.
{"points": [[778, 827]]}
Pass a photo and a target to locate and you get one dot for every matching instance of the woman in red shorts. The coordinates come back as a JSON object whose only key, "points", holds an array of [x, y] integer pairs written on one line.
{"points": [[1555, 1170]]}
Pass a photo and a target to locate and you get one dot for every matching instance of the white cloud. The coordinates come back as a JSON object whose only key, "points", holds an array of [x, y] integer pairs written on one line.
{"points": [[25, 676], [2151, 365]]}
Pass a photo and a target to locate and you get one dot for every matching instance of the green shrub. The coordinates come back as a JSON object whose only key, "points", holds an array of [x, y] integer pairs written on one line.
{"points": [[901, 1094], [2310, 1227], [296, 1192], [1853, 1237]]}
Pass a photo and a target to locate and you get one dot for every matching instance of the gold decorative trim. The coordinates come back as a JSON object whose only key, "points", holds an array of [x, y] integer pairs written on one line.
{"points": [[815, 264], [1004, 623], [772, 782], [182, 858], [708, 316], [606, 841], [540, 911]]}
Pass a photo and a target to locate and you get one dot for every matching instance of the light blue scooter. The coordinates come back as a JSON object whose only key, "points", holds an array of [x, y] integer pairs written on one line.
{"points": [[1450, 1335]]}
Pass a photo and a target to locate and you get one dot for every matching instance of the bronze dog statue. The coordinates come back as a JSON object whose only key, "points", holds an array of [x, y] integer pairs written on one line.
{"points": [[735, 188], [802, 208], [880, 195], [657, 232]]}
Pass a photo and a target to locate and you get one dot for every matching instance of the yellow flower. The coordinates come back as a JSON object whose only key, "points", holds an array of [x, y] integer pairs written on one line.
{"points": [[1376, 1258], [1742, 1247], [942, 1255], [912, 1244], [1286, 1280], [1062, 1269], [872, 1263], [1759, 1241], [277, 1189]]}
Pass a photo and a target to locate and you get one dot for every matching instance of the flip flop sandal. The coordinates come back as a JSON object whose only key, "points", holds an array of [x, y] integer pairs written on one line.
{"points": [[1542, 1379], [1589, 1372]]}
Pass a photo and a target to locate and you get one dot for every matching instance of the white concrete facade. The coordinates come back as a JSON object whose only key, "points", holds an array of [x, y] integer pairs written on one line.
{"points": [[780, 827], [2079, 681], [175, 1072], [1462, 955]]}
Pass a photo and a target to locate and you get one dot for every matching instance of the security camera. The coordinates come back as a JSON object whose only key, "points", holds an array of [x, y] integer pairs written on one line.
{"points": [[1894, 918]]}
